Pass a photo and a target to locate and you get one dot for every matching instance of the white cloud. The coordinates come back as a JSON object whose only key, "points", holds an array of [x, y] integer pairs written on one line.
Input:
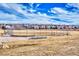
{"points": [[59, 10], [73, 5], [32, 18], [40, 18], [37, 5], [6, 16], [66, 15]]}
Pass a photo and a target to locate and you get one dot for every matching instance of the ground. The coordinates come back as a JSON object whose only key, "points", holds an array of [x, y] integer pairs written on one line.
{"points": [[67, 45]]}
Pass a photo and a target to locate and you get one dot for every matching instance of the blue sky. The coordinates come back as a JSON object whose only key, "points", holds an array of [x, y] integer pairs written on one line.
{"points": [[40, 13]]}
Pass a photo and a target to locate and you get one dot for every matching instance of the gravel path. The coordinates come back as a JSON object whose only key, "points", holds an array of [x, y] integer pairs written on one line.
{"points": [[7, 39]]}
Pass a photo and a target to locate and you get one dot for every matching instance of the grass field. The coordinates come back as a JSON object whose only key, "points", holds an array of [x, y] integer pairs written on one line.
{"points": [[53, 45]]}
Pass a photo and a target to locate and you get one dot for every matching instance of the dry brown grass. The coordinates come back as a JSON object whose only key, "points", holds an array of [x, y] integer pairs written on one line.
{"points": [[53, 45]]}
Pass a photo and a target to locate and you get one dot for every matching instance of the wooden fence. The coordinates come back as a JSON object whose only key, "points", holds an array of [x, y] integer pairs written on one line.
{"points": [[35, 32]]}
